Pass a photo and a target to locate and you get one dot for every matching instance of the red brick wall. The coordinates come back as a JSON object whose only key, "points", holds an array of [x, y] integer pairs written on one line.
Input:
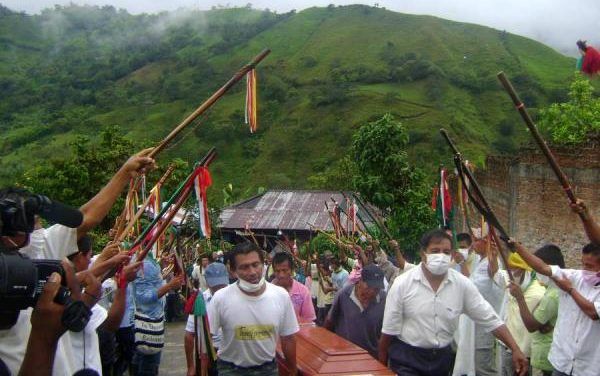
{"points": [[530, 202]]}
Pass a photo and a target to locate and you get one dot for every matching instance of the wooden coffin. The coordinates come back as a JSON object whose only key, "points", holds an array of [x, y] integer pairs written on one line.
{"points": [[321, 352]]}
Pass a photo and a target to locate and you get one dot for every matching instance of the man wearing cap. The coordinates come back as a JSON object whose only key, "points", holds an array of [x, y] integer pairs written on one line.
{"points": [[357, 310], [216, 277], [533, 293]]}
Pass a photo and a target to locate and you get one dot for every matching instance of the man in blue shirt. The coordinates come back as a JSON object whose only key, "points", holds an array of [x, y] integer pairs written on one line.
{"points": [[149, 291], [357, 310], [339, 275]]}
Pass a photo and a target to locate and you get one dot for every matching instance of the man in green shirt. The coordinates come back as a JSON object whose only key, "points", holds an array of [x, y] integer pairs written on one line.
{"points": [[541, 321]]}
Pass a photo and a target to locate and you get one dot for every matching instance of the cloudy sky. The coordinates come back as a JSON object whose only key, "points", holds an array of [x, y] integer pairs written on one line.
{"points": [[558, 23]]}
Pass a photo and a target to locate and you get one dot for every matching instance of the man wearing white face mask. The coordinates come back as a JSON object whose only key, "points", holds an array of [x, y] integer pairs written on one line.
{"points": [[422, 311], [574, 349], [253, 314]]}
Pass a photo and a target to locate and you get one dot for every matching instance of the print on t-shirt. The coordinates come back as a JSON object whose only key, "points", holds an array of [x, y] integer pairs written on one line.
{"points": [[254, 332]]}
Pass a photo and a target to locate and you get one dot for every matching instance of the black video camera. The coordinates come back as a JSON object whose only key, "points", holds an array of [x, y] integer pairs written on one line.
{"points": [[22, 280]]}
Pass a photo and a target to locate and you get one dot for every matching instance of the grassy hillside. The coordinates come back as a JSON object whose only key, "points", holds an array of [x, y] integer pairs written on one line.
{"points": [[72, 70]]}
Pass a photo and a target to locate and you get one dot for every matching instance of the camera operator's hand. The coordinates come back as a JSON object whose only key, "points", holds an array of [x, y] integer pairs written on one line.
{"points": [[46, 317], [46, 324], [139, 163]]}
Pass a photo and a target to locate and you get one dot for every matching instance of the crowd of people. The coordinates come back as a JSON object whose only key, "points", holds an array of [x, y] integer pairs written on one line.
{"points": [[460, 311]]}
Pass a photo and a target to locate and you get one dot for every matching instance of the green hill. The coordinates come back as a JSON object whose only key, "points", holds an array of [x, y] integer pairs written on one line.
{"points": [[72, 70]]}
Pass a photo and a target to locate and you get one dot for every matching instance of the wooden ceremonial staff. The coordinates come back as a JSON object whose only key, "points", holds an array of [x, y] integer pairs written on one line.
{"points": [[123, 234], [477, 198], [182, 198], [374, 217], [331, 237], [562, 178], [208, 157], [209, 102]]}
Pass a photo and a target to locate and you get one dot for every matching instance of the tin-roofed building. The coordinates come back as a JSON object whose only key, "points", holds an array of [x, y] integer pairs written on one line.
{"points": [[295, 214]]}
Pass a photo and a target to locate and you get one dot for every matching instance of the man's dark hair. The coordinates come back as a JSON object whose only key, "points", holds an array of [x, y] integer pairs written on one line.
{"points": [[244, 249], [551, 255], [281, 257], [464, 237], [591, 249], [84, 246], [582, 45], [433, 235]]}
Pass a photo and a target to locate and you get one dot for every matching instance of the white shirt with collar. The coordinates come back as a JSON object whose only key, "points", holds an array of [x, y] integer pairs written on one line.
{"points": [[423, 318], [575, 349]]}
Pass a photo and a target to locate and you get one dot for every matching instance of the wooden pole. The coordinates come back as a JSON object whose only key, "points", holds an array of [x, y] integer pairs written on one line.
{"points": [[173, 209], [562, 178], [478, 198], [123, 234], [209, 102]]}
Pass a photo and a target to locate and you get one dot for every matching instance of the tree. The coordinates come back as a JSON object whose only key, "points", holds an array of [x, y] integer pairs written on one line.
{"points": [[386, 178], [576, 120], [77, 178]]}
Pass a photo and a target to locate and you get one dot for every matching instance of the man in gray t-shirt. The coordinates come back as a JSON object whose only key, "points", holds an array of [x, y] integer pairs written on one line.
{"points": [[357, 310]]}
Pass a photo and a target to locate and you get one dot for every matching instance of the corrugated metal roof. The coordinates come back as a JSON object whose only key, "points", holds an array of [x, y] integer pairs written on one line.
{"points": [[285, 210]]}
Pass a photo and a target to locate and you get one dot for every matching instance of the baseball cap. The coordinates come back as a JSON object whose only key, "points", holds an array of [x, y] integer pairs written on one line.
{"points": [[373, 276], [216, 274]]}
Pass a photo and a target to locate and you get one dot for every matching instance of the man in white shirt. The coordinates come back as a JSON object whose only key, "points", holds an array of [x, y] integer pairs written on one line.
{"points": [[252, 314], [198, 273], [422, 311], [574, 349], [217, 278]]}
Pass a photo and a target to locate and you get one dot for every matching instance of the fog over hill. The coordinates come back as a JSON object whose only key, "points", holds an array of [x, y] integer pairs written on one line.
{"points": [[557, 23]]}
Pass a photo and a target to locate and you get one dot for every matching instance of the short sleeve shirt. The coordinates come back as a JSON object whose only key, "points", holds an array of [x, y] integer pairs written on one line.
{"points": [[546, 312], [251, 325]]}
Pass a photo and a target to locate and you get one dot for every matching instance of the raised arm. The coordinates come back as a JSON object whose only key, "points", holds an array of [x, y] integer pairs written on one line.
{"points": [[532, 260], [97, 208], [591, 227]]}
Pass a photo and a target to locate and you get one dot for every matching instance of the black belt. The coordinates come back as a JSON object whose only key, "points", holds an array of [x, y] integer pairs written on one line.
{"points": [[233, 365]]}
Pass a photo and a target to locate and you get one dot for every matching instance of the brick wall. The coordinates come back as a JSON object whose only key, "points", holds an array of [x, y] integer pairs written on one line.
{"points": [[531, 204]]}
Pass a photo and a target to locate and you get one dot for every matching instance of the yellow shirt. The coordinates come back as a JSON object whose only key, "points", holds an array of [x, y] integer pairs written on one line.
{"points": [[533, 294], [324, 298]]}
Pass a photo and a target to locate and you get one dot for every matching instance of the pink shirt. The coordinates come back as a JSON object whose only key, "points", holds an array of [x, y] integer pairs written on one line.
{"points": [[302, 302]]}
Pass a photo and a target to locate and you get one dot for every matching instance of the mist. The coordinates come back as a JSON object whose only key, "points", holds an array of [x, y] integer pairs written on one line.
{"points": [[557, 23]]}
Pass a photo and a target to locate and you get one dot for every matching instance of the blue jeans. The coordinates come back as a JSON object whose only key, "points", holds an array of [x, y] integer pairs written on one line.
{"points": [[145, 365]]}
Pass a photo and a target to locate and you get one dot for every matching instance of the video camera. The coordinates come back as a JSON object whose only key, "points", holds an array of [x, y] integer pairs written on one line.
{"points": [[22, 280]]}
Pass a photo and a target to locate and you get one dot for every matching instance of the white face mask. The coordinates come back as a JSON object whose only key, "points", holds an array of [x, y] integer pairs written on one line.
{"points": [[438, 263], [464, 252], [251, 287]]}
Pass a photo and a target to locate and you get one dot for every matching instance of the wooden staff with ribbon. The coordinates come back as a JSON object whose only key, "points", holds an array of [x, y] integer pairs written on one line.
{"points": [[209, 102], [477, 198]]}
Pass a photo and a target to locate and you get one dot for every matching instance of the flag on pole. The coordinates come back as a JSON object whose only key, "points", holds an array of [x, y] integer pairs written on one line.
{"points": [[251, 100], [202, 181], [352, 210], [442, 201]]}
